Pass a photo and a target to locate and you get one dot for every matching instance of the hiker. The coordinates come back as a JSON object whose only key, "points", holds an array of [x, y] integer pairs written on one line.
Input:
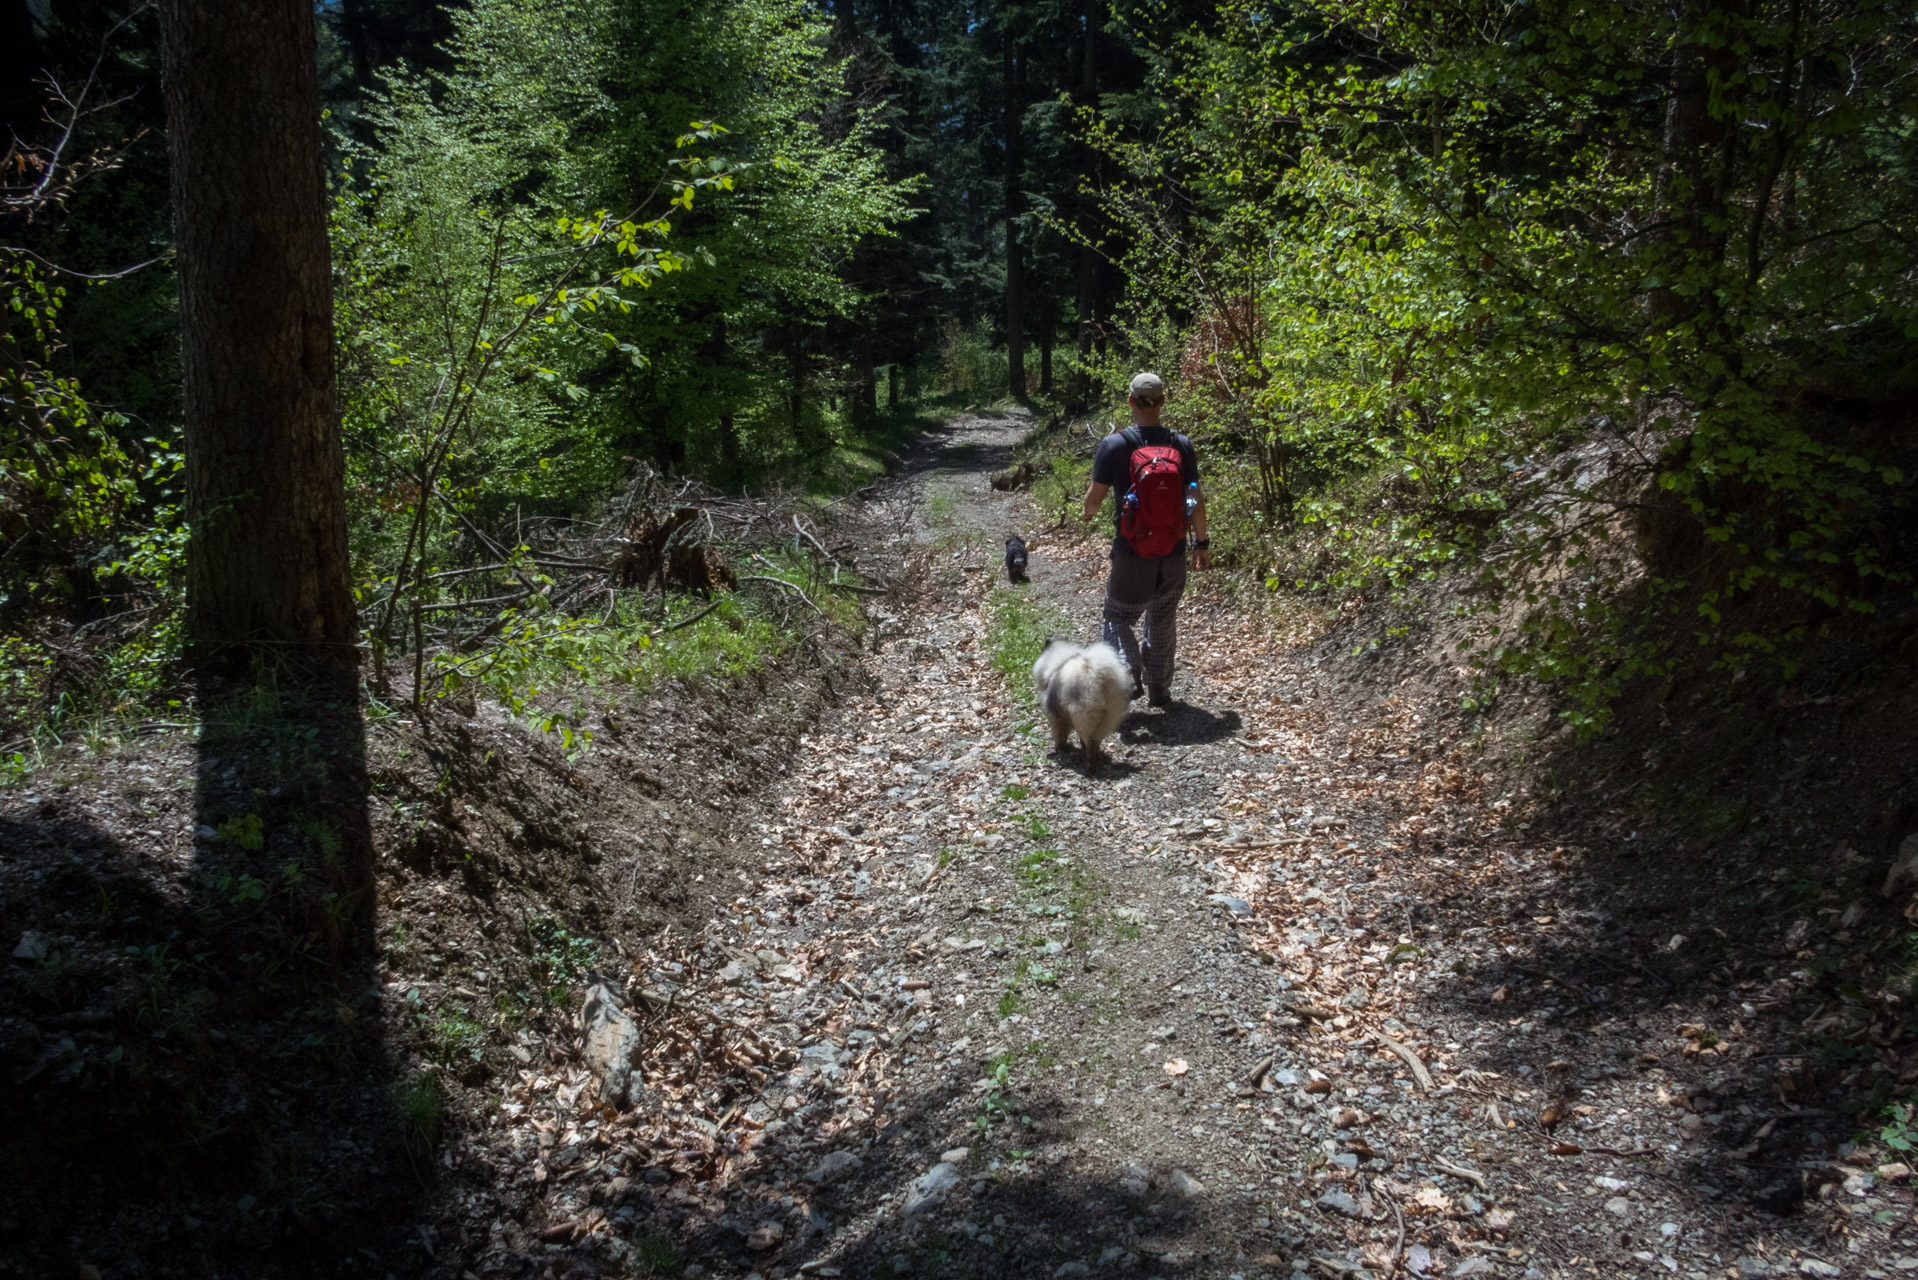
{"points": [[1155, 476]]}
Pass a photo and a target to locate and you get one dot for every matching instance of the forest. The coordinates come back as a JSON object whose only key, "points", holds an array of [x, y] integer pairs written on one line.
{"points": [[414, 403], [1425, 281]]}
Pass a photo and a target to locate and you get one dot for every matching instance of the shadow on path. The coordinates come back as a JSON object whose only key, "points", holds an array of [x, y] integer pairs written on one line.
{"points": [[196, 1057], [1180, 725]]}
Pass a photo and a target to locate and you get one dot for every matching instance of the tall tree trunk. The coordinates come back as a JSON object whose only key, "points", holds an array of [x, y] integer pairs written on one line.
{"points": [[717, 354], [22, 97], [796, 385], [359, 40], [1015, 261], [892, 386], [1087, 266], [267, 568], [1045, 360], [865, 401], [1090, 70], [1690, 188]]}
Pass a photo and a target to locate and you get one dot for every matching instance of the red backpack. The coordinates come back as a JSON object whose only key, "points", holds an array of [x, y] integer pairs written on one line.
{"points": [[1152, 513]]}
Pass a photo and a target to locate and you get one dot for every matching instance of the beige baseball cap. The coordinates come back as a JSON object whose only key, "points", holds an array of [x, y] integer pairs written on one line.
{"points": [[1146, 386]]}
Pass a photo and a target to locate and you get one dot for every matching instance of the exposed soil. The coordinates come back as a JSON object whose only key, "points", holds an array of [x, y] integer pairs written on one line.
{"points": [[1298, 984]]}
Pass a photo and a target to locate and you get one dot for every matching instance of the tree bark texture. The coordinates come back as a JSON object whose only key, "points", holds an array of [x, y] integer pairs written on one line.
{"points": [[267, 568], [1015, 262]]}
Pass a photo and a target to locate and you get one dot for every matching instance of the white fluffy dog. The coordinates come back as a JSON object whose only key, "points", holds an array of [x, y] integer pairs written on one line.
{"points": [[1084, 690]]}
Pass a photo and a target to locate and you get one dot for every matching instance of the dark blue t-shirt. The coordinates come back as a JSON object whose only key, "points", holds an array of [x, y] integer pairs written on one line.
{"points": [[1112, 465]]}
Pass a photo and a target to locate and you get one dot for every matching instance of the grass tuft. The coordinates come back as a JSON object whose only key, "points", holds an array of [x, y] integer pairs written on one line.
{"points": [[422, 1111], [1018, 627]]}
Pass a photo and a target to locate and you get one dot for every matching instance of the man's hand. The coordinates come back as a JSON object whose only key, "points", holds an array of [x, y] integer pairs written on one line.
{"points": [[1201, 558]]}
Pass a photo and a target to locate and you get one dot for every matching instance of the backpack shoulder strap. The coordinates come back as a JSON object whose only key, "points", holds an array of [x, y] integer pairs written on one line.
{"points": [[1134, 438]]}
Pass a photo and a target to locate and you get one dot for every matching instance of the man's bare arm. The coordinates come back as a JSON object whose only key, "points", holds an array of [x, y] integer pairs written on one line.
{"points": [[1095, 498], [1201, 557]]}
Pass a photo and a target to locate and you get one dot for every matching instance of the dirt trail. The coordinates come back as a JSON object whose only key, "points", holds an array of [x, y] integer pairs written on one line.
{"points": [[1211, 1013]]}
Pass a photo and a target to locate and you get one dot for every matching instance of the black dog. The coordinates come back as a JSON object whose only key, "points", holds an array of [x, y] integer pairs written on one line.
{"points": [[1016, 559]]}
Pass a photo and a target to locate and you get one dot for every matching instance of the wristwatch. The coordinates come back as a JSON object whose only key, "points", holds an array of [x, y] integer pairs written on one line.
{"points": [[1200, 544]]}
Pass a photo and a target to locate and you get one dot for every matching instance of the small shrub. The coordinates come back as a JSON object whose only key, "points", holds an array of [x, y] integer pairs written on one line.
{"points": [[422, 1111], [246, 832]]}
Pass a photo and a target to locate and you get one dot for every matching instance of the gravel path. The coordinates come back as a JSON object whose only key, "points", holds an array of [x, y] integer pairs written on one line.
{"points": [[1215, 1012]]}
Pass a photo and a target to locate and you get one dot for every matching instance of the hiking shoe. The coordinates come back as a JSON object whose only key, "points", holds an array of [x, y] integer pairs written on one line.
{"points": [[1138, 690], [1159, 696]]}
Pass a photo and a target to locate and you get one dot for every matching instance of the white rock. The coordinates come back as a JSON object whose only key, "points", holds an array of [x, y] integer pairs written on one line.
{"points": [[1237, 906], [31, 947], [955, 1156], [930, 1188], [612, 1046], [1069, 1269], [1814, 1267], [1611, 1184], [1618, 1205], [1184, 1185]]}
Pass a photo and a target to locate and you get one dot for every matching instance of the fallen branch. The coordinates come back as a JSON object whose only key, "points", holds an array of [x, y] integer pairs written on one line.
{"points": [[1472, 1176], [1398, 1222], [1574, 1149], [687, 622], [474, 604], [1411, 1059], [807, 535], [760, 577]]}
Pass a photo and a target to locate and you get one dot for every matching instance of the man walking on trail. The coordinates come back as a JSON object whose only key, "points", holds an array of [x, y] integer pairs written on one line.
{"points": [[1155, 475]]}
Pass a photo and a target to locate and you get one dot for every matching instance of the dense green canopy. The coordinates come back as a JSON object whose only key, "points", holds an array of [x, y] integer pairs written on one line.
{"points": [[1610, 305]]}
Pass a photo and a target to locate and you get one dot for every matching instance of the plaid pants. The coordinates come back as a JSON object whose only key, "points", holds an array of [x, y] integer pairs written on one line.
{"points": [[1136, 588]]}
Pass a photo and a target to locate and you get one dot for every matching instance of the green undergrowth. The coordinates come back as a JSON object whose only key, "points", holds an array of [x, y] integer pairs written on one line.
{"points": [[548, 669], [1018, 624], [545, 668]]}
